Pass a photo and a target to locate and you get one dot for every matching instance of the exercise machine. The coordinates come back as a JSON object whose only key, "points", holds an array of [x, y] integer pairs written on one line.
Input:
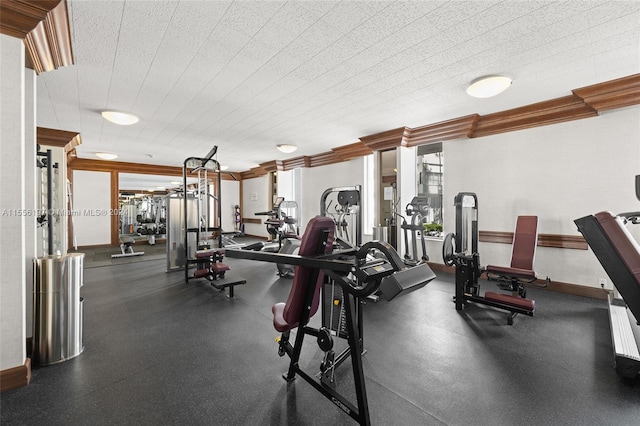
{"points": [[519, 274], [273, 224], [415, 210], [358, 274], [461, 250], [194, 218], [282, 225], [126, 248], [289, 235], [346, 212], [619, 254]]}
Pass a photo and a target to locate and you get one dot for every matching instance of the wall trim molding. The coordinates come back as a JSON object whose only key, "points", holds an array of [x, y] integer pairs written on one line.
{"points": [[16, 377], [544, 240], [137, 168]]}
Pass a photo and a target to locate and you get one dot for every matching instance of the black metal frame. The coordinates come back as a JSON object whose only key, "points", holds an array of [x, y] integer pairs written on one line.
{"points": [[218, 282], [468, 269], [323, 207], [337, 266], [49, 214]]}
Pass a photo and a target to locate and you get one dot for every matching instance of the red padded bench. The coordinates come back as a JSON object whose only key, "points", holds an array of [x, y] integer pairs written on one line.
{"points": [[507, 299]]}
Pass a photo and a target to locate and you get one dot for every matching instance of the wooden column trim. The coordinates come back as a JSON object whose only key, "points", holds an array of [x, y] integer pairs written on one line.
{"points": [[58, 138], [115, 205], [576, 242], [16, 377]]}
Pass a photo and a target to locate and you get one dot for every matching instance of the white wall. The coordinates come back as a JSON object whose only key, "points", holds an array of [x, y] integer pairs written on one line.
{"points": [[92, 200], [13, 259], [286, 185], [255, 198], [560, 173], [30, 240], [230, 197]]}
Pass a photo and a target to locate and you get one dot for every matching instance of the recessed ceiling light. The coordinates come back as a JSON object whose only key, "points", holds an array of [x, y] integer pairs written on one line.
{"points": [[488, 86], [121, 118], [106, 155], [224, 167], [162, 188], [175, 182], [286, 148]]}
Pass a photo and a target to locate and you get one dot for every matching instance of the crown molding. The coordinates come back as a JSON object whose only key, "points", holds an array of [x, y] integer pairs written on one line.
{"points": [[612, 94], [456, 128], [389, 139], [354, 150], [585, 102], [554, 111], [58, 138], [324, 159], [294, 163], [19, 17], [44, 27], [253, 173], [272, 166]]}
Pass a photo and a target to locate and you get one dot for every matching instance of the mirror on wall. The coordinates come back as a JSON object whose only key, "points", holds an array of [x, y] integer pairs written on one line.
{"points": [[141, 200], [430, 181]]}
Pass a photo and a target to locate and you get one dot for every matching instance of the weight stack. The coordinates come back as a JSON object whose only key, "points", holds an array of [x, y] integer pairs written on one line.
{"points": [[334, 317]]}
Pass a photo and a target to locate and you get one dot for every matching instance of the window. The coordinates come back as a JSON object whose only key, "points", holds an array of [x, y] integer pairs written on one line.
{"points": [[429, 182]]}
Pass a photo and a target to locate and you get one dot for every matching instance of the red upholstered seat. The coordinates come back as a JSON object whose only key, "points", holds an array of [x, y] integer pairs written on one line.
{"points": [[519, 302], [523, 251], [514, 272], [200, 273], [201, 254], [287, 315], [219, 267]]}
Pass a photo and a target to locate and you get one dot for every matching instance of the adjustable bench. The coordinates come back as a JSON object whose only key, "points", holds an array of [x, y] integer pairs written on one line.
{"points": [[523, 252], [126, 247], [519, 273]]}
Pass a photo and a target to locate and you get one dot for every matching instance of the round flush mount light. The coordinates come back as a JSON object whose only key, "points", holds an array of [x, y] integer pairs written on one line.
{"points": [[121, 118], [488, 86], [286, 148], [106, 155]]}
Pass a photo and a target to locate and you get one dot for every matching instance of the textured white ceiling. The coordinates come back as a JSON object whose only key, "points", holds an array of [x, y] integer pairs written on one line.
{"points": [[247, 75]]}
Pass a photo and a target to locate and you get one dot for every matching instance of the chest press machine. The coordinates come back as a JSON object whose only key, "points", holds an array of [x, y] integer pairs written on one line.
{"points": [[359, 275], [461, 249], [619, 255]]}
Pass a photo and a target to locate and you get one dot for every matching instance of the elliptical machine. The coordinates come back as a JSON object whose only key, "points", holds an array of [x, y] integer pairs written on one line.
{"points": [[414, 209], [289, 235]]}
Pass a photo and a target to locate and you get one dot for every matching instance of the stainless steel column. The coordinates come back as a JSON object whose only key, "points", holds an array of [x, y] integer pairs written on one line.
{"points": [[58, 308]]}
